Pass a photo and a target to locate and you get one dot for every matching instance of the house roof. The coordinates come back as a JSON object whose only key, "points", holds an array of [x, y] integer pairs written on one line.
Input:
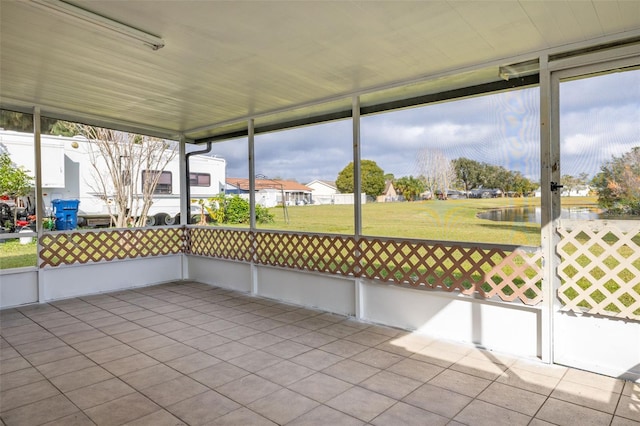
{"points": [[286, 185], [330, 184], [279, 63]]}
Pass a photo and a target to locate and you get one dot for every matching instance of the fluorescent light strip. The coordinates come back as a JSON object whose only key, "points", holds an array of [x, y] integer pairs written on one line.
{"points": [[69, 10]]}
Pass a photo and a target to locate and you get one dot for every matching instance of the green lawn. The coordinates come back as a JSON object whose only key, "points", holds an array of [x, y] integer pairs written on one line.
{"points": [[451, 220]]}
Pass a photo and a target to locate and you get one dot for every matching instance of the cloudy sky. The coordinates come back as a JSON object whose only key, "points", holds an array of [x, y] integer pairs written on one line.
{"points": [[600, 117]]}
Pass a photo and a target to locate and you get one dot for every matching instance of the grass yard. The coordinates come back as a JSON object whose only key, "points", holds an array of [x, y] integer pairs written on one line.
{"points": [[451, 220]]}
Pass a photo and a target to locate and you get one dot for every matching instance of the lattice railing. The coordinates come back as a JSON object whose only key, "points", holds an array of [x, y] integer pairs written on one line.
{"points": [[600, 267], [510, 273], [312, 252], [231, 244], [66, 248], [507, 272]]}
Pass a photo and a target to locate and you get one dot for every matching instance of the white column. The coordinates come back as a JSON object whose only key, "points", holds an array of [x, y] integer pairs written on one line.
{"points": [[39, 200], [548, 161], [357, 202], [252, 201], [185, 203]]}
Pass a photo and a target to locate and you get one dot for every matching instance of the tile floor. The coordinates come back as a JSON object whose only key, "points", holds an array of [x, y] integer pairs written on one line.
{"points": [[188, 353]]}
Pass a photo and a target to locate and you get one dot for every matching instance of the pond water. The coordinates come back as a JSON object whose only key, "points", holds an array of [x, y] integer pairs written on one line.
{"points": [[533, 214]]}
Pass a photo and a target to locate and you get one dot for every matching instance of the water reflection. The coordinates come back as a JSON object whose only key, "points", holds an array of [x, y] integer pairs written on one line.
{"points": [[533, 214]]}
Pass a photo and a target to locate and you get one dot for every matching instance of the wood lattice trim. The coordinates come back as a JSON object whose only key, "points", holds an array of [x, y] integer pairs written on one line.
{"points": [[600, 267], [67, 248], [508, 273]]}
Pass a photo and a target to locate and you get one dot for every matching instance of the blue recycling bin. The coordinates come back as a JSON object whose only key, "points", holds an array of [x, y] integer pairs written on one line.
{"points": [[66, 214]]}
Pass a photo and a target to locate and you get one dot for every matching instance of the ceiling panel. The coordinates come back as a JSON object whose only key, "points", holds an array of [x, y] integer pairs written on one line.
{"points": [[226, 61]]}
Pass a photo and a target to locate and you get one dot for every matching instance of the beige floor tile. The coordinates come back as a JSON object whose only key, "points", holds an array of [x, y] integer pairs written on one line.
{"points": [[99, 393], [150, 376], [128, 364], [230, 350], [151, 343], [255, 361], [40, 345], [367, 338], [76, 419], [243, 416], [597, 398], [133, 335], [218, 374], [391, 384], [462, 383], [440, 357], [122, 410], [7, 352], [515, 399], [608, 384], [289, 331], [361, 403], [173, 391], [216, 325], [81, 378], [191, 363], [157, 418], [343, 348], [66, 365], [323, 415], [377, 358], [96, 344], [314, 339], [171, 352], [248, 389], [621, 421], [112, 353], [631, 388], [629, 407], [81, 336], [339, 330], [13, 364], [284, 373], [316, 359], [168, 327], [24, 395], [40, 412], [483, 368], [320, 387], [261, 340], [351, 371], [19, 378], [417, 370], [408, 415], [119, 328], [203, 409], [567, 414], [287, 349], [282, 406], [527, 380], [206, 342], [538, 367], [34, 336], [437, 400], [480, 413], [51, 355], [237, 332]]}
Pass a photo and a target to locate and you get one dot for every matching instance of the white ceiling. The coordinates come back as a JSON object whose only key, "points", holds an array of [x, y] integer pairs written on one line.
{"points": [[226, 61]]}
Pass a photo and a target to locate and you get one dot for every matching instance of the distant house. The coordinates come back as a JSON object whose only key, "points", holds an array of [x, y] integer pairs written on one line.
{"points": [[323, 188], [389, 194], [326, 192], [271, 192]]}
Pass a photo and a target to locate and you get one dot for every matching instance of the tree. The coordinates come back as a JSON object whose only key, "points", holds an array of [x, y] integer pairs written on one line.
{"points": [[126, 171], [15, 182], [409, 187], [435, 170], [469, 173], [372, 178], [618, 184]]}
